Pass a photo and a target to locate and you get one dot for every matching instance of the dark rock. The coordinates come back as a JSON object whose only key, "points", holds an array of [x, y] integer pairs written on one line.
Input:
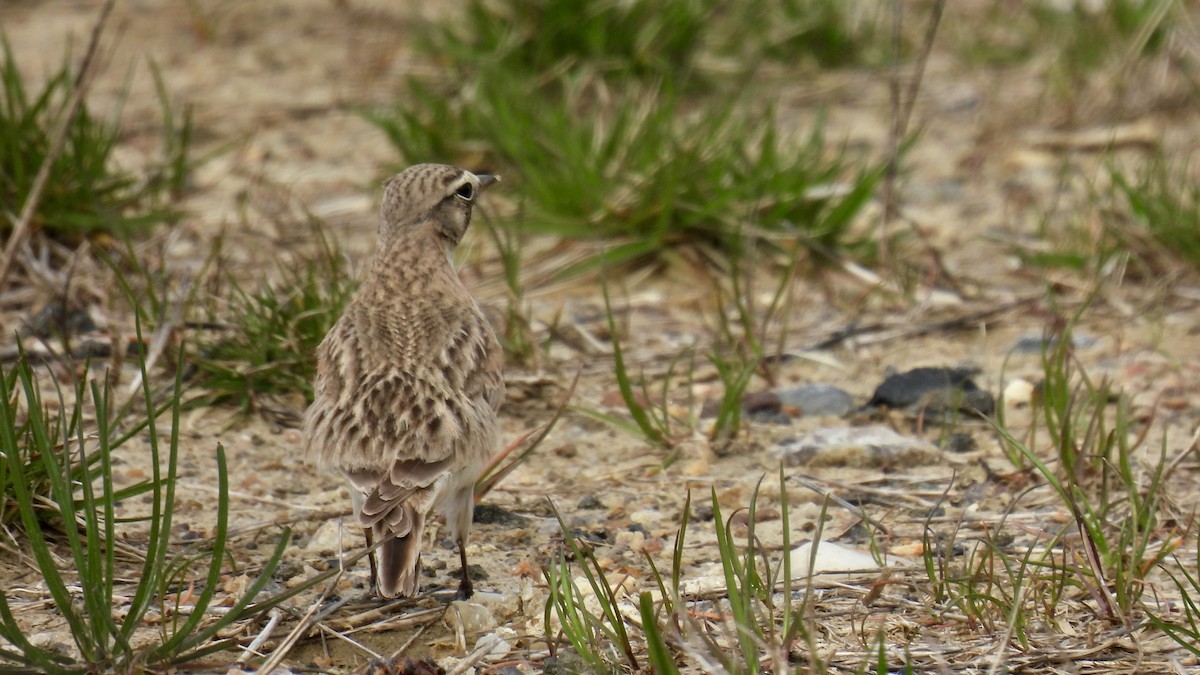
{"points": [[934, 390], [702, 512], [477, 572], [490, 514], [959, 443], [595, 536], [904, 389]]}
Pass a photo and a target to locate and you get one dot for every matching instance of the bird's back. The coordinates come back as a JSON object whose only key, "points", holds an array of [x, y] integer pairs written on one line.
{"points": [[412, 370]]}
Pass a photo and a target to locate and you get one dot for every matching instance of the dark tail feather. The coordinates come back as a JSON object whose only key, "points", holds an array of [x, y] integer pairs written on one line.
{"points": [[400, 561]]}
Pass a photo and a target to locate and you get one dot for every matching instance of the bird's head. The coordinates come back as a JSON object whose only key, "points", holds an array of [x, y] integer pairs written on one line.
{"points": [[430, 196]]}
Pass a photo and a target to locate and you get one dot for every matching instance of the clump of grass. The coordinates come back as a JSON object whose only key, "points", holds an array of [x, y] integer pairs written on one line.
{"points": [[639, 171], [273, 332], [602, 642], [1006, 35], [1093, 47], [830, 33], [23, 471], [760, 623], [741, 352], [86, 192], [1089, 54], [991, 585], [1087, 36], [1084, 36], [1162, 203], [1110, 486], [1067, 236], [590, 109], [751, 334], [654, 39], [735, 374], [637, 38], [750, 590], [85, 576], [1147, 220]]}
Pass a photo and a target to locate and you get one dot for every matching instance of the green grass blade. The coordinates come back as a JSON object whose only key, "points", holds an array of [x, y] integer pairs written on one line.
{"points": [[62, 493], [575, 627], [212, 581], [636, 410], [162, 493], [735, 587], [658, 653]]}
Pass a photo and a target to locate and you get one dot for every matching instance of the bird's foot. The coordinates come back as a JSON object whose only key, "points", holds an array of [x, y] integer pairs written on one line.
{"points": [[465, 590]]}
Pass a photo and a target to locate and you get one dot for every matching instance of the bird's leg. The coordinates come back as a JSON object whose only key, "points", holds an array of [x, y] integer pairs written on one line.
{"points": [[465, 590], [372, 585]]}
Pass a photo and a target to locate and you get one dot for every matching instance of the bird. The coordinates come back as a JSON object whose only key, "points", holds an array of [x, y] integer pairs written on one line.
{"points": [[409, 380]]}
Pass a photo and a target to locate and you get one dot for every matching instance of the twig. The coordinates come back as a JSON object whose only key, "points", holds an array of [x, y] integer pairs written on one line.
{"points": [[422, 617], [486, 644], [1188, 450], [377, 613], [252, 648], [83, 80], [310, 618], [320, 625], [886, 332], [902, 107]]}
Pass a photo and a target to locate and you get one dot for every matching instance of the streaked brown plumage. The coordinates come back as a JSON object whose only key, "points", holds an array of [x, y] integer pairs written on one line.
{"points": [[409, 379]]}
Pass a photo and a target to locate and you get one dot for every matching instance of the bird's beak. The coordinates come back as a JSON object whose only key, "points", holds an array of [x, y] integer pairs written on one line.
{"points": [[487, 179]]}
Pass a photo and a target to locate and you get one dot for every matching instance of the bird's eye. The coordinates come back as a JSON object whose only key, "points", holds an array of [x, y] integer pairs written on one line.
{"points": [[466, 191]]}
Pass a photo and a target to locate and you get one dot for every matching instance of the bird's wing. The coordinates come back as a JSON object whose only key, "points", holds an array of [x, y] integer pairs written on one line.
{"points": [[480, 360]]}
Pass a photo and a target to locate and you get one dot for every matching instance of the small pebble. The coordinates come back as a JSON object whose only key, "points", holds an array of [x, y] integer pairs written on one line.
{"points": [[817, 400], [1018, 393], [1036, 344], [960, 443]]}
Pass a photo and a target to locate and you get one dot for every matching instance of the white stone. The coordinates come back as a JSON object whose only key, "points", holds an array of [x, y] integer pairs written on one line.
{"points": [[830, 557]]}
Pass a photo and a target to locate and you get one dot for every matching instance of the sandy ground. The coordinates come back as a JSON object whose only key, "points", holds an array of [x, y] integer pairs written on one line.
{"points": [[273, 85]]}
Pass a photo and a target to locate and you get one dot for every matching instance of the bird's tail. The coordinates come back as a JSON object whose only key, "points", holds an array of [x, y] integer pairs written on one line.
{"points": [[400, 560]]}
